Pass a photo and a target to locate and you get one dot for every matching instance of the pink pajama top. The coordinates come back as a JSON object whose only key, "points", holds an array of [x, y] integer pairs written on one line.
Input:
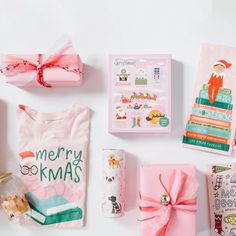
{"points": [[52, 154]]}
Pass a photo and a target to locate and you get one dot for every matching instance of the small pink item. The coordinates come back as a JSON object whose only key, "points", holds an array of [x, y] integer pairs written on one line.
{"points": [[63, 68], [140, 94], [221, 194], [168, 201], [12, 200]]}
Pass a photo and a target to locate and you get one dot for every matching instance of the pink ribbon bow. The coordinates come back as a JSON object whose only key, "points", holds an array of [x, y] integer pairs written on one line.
{"points": [[160, 213], [14, 65]]}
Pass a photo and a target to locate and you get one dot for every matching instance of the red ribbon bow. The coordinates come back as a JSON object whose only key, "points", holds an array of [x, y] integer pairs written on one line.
{"points": [[15, 65], [160, 213]]}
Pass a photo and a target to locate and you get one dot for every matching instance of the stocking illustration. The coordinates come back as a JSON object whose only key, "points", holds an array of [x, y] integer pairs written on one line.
{"points": [[219, 180], [138, 121], [134, 122], [218, 225]]}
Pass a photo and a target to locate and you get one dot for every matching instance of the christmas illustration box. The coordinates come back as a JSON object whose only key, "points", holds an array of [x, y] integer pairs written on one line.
{"points": [[140, 93]]}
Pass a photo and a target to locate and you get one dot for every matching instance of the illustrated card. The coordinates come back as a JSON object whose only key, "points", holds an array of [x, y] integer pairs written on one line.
{"points": [[140, 93], [222, 199], [211, 123]]}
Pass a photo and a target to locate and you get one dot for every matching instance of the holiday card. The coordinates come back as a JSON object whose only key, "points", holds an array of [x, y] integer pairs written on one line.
{"points": [[222, 201], [140, 93], [211, 123]]}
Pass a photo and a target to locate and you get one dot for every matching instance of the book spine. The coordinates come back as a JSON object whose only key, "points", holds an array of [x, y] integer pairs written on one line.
{"points": [[211, 114], [214, 104], [206, 137], [209, 126], [210, 121], [205, 130], [221, 90], [216, 109], [220, 97], [206, 144]]}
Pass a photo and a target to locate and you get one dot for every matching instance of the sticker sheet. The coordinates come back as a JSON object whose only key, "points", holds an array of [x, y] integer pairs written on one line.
{"points": [[211, 123], [222, 199], [140, 93]]}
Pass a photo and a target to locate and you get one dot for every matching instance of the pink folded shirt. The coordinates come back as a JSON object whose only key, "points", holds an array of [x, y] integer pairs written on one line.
{"points": [[53, 153]]}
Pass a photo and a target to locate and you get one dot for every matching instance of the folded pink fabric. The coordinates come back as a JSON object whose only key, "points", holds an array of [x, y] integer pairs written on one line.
{"points": [[53, 156], [59, 69], [167, 201]]}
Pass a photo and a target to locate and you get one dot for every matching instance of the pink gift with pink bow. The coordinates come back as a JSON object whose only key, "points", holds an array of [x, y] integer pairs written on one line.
{"points": [[63, 68], [167, 200]]}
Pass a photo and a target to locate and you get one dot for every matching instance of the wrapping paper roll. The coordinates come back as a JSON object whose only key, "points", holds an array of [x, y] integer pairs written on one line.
{"points": [[113, 199]]}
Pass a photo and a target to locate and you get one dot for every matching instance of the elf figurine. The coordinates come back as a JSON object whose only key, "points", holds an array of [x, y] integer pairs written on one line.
{"points": [[216, 80]]}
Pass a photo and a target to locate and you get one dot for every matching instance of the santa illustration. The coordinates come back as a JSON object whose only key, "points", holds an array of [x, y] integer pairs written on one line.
{"points": [[30, 177], [120, 113], [216, 80]]}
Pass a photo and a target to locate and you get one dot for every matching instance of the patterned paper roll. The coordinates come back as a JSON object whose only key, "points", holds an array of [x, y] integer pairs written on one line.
{"points": [[113, 199]]}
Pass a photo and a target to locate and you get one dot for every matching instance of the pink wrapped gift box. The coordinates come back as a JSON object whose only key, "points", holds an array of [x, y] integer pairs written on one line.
{"points": [[167, 200], [62, 68]]}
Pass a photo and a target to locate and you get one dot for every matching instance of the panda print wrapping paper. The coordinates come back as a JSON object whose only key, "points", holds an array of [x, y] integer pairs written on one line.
{"points": [[113, 197]]}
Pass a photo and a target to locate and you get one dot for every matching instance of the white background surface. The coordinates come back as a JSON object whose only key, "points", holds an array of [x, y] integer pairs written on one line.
{"points": [[97, 29]]}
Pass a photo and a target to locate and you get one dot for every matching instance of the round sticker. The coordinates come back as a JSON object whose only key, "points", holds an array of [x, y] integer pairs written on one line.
{"points": [[164, 122]]}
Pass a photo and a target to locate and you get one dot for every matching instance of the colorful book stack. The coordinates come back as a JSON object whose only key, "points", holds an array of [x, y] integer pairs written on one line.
{"points": [[209, 124], [55, 209]]}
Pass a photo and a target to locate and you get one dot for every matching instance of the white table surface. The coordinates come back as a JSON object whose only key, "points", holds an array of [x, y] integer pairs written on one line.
{"points": [[99, 28]]}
